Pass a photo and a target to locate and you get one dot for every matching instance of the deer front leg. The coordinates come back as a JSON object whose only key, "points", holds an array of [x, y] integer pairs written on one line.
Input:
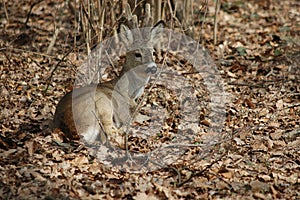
{"points": [[106, 119], [104, 110]]}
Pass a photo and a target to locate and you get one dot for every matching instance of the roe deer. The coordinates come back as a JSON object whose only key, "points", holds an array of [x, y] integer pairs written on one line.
{"points": [[92, 111]]}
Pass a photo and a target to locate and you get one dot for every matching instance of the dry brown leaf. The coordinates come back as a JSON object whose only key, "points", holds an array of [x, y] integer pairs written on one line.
{"points": [[259, 146], [276, 135], [259, 66], [143, 195], [30, 147]]}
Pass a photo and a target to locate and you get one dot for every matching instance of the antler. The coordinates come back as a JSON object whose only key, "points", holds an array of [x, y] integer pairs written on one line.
{"points": [[148, 19], [132, 19]]}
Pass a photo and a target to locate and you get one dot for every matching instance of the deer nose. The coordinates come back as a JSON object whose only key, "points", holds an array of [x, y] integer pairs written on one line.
{"points": [[151, 68]]}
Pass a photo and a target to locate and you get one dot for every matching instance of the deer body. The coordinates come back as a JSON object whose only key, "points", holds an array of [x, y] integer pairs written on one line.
{"points": [[92, 111]]}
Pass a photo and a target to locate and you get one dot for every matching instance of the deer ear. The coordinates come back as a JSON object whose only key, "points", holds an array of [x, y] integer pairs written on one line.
{"points": [[126, 35], [157, 30], [159, 24]]}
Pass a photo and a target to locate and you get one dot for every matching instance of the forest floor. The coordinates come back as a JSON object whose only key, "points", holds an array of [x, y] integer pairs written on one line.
{"points": [[258, 56]]}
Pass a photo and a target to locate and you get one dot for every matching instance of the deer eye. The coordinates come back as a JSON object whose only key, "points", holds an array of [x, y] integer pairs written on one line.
{"points": [[138, 55]]}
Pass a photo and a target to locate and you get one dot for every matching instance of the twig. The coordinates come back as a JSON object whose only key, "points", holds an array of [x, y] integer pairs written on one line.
{"points": [[199, 173], [30, 10], [56, 66], [217, 8], [202, 24], [53, 40], [157, 10], [5, 11], [173, 168], [262, 84]]}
